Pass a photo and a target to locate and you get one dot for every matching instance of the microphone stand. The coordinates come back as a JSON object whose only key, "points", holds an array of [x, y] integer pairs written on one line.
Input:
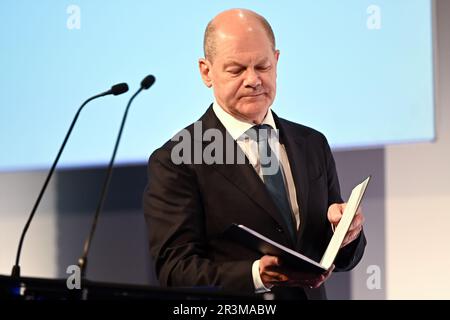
{"points": [[83, 260], [117, 89]]}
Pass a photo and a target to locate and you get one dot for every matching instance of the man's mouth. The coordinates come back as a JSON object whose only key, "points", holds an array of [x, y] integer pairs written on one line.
{"points": [[253, 95]]}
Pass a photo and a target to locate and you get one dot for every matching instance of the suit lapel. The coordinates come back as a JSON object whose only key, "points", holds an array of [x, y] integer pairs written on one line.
{"points": [[244, 176], [295, 146]]}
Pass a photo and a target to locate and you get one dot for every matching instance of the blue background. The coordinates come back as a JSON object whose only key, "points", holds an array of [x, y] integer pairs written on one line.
{"points": [[360, 87]]}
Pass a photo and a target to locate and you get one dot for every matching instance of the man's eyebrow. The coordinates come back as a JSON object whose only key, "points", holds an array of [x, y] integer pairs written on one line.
{"points": [[233, 64], [263, 61], [237, 64]]}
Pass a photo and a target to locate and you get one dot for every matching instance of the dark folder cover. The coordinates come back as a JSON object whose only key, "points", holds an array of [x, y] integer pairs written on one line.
{"points": [[264, 245]]}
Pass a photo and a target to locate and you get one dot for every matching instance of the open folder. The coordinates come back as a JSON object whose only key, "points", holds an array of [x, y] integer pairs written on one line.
{"points": [[266, 246]]}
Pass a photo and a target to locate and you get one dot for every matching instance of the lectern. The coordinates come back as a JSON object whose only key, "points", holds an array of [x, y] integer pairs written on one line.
{"points": [[28, 288]]}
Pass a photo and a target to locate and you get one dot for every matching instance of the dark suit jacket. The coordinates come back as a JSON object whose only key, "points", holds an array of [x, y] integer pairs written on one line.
{"points": [[189, 206]]}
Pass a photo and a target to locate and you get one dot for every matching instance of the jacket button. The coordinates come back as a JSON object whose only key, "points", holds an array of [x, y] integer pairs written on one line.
{"points": [[279, 229]]}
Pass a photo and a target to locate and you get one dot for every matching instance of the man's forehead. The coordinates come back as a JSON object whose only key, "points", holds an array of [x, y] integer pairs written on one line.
{"points": [[232, 44], [240, 33], [229, 30], [244, 50]]}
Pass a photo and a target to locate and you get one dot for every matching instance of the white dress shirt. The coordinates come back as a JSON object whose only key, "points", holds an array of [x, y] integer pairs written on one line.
{"points": [[236, 128]]}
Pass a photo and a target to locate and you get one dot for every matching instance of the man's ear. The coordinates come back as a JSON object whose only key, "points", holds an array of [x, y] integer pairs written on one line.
{"points": [[205, 70], [277, 54]]}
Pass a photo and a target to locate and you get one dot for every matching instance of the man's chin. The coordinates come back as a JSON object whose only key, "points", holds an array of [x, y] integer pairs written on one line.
{"points": [[254, 110]]}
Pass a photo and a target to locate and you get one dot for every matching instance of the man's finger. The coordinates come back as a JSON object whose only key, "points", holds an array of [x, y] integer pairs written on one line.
{"points": [[350, 236], [329, 271], [357, 221], [268, 261], [324, 277], [334, 213], [273, 277]]}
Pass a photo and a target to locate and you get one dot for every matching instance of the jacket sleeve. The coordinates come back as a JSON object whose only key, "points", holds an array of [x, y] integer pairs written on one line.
{"points": [[350, 255], [176, 226]]}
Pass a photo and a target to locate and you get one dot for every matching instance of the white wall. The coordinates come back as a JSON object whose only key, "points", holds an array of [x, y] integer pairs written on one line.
{"points": [[418, 196], [119, 251], [18, 192]]}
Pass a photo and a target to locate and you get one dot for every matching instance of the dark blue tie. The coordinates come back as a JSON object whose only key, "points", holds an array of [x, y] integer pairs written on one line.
{"points": [[272, 175]]}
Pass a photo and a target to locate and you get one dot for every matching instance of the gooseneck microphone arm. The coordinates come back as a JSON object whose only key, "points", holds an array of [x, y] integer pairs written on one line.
{"points": [[115, 90], [83, 260]]}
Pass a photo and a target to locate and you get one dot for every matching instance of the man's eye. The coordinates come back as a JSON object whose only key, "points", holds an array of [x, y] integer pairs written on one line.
{"points": [[264, 68], [234, 71]]}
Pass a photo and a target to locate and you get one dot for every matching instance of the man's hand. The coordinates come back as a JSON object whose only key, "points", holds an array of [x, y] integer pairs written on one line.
{"points": [[335, 212], [274, 274]]}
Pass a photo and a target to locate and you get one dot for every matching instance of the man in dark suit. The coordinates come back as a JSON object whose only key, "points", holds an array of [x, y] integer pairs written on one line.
{"points": [[198, 186]]}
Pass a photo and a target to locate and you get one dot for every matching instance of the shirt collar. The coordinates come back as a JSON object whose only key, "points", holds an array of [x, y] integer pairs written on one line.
{"points": [[236, 127]]}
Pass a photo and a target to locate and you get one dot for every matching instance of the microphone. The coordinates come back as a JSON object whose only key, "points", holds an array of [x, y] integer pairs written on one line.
{"points": [[115, 90], [146, 83]]}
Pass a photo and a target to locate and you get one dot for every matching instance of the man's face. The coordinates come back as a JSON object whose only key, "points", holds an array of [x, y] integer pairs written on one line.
{"points": [[243, 74]]}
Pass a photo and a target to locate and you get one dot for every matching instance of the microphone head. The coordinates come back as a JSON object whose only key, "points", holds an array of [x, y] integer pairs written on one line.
{"points": [[147, 82], [119, 88]]}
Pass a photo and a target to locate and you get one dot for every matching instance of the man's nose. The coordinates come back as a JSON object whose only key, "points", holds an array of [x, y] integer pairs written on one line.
{"points": [[252, 79]]}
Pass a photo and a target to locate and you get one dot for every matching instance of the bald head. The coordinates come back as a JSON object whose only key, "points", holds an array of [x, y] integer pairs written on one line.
{"points": [[232, 23]]}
